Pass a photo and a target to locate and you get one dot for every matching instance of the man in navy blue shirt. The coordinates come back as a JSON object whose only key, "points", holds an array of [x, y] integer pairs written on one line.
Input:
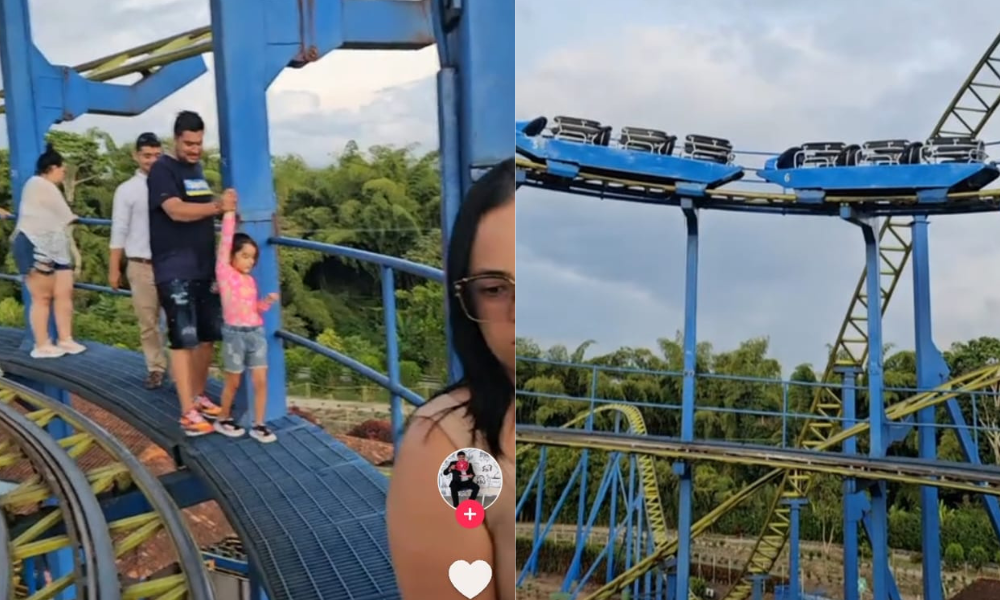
{"points": [[182, 209]]}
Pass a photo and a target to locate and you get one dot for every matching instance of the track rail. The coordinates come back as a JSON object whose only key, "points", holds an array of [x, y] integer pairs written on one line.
{"points": [[951, 476], [121, 470], [975, 381], [967, 114], [95, 574]]}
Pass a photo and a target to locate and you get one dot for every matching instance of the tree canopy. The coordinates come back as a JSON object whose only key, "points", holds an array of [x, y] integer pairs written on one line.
{"points": [[556, 384]]}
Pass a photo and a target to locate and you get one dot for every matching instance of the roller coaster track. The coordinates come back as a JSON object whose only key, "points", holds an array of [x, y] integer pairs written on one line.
{"points": [[967, 114], [952, 476], [35, 527], [971, 382]]}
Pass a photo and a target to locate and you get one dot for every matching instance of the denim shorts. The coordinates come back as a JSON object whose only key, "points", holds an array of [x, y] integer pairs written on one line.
{"points": [[243, 348]]}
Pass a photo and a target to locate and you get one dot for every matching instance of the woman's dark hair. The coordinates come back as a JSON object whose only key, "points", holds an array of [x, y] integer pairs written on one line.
{"points": [[240, 240], [490, 389], [50, 159]]}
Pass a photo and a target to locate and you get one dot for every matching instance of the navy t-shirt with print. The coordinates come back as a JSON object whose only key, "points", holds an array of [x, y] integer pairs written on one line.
{"points": [[180, 250]]}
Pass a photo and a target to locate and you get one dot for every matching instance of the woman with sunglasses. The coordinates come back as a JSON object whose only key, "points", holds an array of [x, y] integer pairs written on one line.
{"points": [[477, 411]]}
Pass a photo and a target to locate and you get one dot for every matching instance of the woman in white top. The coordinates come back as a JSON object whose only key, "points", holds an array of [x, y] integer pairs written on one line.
{"points": [[46, 254], [478, 411]]}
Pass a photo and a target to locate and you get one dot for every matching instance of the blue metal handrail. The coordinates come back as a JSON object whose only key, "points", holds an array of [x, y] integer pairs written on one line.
{"points": [[389, 264]]}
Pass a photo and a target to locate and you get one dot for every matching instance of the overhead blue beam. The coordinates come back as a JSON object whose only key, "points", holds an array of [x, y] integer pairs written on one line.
{"points": [[386, 25], [135, 99]]}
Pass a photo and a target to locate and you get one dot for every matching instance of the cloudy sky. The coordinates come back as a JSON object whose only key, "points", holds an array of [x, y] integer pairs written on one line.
{"points": [[371, 97], [766, 75]]}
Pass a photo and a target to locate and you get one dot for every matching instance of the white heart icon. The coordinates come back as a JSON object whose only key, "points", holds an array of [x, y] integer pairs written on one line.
{"points": [[470, 580]]}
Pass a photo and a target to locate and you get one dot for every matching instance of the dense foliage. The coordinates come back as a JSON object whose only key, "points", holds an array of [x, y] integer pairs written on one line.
{"points": [[386, 200], [553, 391]]}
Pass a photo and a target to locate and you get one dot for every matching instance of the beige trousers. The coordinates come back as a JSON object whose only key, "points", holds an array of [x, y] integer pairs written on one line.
{"points": [[147, 310]]}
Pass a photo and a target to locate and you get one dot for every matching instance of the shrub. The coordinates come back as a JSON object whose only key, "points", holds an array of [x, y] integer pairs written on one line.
{"points": [[954, 555], [978, 557]]}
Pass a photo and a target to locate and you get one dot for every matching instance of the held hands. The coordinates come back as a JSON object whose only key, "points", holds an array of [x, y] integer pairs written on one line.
{"points": [[272, 297], [228, 200]]}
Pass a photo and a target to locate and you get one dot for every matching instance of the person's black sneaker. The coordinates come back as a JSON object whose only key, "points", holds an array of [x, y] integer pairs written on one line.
{"points": [[229, 428], [154, 379], [262, 434]]}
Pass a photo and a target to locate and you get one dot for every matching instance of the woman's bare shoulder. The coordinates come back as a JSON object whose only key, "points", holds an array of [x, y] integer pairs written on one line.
{"points": [[442, 404]]}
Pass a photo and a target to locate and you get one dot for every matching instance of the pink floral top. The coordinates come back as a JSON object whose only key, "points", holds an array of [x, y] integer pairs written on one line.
{"points": [[240, 305]]}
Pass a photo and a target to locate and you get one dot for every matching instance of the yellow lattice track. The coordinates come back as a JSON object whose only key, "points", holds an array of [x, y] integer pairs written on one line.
{"points": [[120, 471], [967, 114]]}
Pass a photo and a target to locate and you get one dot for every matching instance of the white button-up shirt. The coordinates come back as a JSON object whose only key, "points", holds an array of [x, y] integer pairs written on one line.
{"points": [[130, 218]]}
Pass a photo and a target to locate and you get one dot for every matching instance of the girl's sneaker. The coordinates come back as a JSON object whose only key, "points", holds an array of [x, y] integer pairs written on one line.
{"points": [[47, 351], [72, 346], [262, 434], [229, 428], [193, 424], [208, 409]]}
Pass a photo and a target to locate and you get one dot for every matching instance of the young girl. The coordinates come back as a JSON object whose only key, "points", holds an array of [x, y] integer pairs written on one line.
{"points": [[243, 343]]}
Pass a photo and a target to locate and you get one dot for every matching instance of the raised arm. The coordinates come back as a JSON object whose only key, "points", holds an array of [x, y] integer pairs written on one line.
{"points": [[223, 257]]}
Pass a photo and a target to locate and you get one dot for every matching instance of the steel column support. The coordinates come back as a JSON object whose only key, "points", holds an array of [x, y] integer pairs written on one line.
{"points": [[475, 99], [794, 581], [854, 502], [879, 533], [247, 60], [758, 581], [683, 470], [573, 574], [932, 371]]}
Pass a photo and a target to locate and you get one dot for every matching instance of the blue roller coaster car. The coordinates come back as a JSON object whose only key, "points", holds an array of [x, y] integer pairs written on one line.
{"points": [[640, 154], [884, 167]]}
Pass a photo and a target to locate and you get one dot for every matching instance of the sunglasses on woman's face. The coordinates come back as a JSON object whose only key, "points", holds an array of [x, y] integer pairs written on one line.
{"points": [[486, 297]]}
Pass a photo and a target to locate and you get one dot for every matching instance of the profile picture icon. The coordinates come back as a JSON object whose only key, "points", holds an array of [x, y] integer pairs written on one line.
{"points": [[470, 474]]}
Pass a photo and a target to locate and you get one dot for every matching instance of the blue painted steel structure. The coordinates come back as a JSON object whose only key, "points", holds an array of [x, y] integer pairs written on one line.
{"points": [[580, 156], [313, 556]]}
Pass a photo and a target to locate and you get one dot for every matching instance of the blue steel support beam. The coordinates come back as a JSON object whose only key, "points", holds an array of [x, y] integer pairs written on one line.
{"points": [[248, 56], [932, 371], [854, 503], [683, 470], [795, 511], [475, 99], [38, 94], [573, 574], [879, 531]]}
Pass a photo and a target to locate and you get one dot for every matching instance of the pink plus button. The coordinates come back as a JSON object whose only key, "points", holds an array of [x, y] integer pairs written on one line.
{"points": [[470, 514]]}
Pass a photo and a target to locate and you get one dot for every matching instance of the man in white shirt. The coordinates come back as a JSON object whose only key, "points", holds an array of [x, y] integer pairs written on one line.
{"points": [[130, 236]]}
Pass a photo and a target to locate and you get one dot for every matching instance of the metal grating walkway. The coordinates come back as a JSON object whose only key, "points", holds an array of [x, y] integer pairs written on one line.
{"points": [[310, 511]]}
